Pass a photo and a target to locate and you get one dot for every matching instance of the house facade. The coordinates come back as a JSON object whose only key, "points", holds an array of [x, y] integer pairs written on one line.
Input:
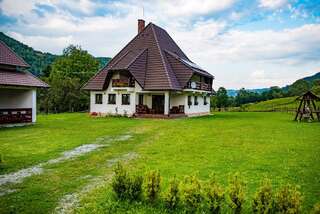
{"points": [[17, 89], [151, 77]]}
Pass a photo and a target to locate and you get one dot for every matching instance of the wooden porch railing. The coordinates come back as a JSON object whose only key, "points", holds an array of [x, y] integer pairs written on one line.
{"points": [[199, 86], [15, 115], [123, 82]]}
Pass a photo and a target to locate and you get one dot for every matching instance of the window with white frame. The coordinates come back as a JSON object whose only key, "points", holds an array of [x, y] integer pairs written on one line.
{"points": [[98, 99], [196, 100], [125, 99], [111, 98]]}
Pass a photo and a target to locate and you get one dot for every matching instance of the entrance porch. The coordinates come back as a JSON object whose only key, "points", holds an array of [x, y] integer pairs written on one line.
{"points": [[159, 105]]}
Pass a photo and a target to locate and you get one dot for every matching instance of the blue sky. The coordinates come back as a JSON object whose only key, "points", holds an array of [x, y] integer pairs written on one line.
{"points": [[249, 44]]}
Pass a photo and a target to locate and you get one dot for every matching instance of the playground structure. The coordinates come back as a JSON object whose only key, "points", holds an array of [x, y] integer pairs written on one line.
{"points": [[307, 107]]}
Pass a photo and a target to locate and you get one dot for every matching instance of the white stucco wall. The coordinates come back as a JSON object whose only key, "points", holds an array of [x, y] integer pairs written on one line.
{"points": [[19, 98], [197, 109], [117, 108], [182, 99]]}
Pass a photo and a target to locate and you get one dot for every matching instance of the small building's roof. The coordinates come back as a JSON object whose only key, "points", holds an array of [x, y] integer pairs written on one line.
{"points": [[12, 70], [308, 96], [155, 61], [9, 57], [20, 78]]}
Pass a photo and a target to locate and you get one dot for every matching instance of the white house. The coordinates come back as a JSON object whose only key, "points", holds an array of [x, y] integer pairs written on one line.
{"points": [[17, 89], [151, 77]]}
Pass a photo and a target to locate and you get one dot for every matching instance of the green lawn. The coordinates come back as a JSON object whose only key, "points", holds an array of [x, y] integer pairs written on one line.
{"points": [[255, 144]]}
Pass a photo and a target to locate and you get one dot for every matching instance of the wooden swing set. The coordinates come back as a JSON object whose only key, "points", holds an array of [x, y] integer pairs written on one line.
{"points": [[307, 107]]}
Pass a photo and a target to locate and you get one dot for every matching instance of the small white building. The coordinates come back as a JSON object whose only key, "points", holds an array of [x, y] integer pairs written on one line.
{"points": [[150, 77], [17, 89]]}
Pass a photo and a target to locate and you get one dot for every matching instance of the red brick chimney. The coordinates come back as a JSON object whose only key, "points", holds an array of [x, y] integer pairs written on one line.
{"points": [[141, 24]]}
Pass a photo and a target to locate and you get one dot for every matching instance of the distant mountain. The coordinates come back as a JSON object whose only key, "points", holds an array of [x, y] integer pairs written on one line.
{"points": [[36, 59], [234, 92], [308, 79], [313, 77]]}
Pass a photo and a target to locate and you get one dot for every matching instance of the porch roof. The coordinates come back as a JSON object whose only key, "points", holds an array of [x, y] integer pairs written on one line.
{"points": [[20, 78]]}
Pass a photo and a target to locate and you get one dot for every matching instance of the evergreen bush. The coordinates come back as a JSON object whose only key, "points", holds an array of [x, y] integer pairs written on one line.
{"points": [[263, 199], [236, 193], [134, 187], [119, 181], [288, 200], [214, 195], [191, 194], [171, 197], [126, 186], [152, 185]]}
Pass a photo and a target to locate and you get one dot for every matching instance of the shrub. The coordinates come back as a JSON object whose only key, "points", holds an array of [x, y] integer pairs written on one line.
{"points": [[191, 193], [263, 199], [171, 197], [236, 193], [134, 187], [288, 200], [126, 186], [119, 181], [152, 185], [215, 195], [316, 208]]}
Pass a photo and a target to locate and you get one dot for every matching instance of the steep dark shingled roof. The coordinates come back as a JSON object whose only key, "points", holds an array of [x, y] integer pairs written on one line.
{"points": [[10, 75], [155, 61], [8, 57]]}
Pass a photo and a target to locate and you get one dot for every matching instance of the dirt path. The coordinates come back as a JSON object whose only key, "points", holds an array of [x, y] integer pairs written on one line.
{"points": [[71, 201], [19, 176]]}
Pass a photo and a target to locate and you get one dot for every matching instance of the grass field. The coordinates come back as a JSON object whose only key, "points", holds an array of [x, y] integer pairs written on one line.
{"points": [[255, 144]]}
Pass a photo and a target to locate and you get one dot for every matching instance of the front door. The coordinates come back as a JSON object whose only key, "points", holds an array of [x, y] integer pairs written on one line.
{"points": [[158, 104]]}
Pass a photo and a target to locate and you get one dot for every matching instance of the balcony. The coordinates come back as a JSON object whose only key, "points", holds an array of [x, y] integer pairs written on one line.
{"points": [[122, 83], [198, 86]]}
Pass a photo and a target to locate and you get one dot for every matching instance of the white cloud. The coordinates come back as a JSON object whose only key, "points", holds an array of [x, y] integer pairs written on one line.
{"points": [[193, 7], [231, 56], [272, 4], [84, 6], [16, 8], [289, 46]]}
